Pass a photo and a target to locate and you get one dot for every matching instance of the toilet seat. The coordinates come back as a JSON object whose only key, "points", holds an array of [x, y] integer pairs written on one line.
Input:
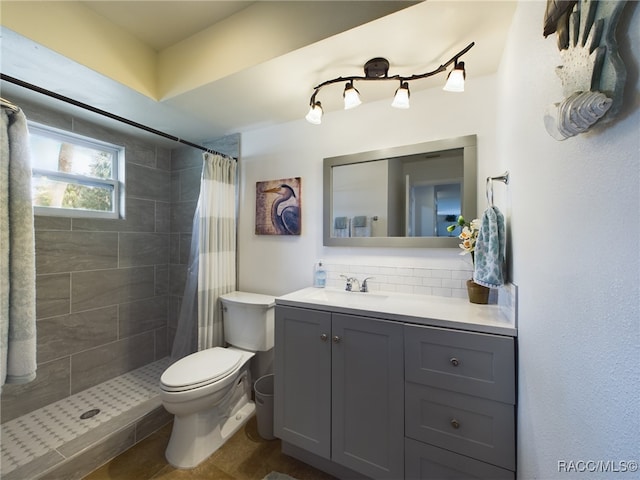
{"points": [[200, 369]]}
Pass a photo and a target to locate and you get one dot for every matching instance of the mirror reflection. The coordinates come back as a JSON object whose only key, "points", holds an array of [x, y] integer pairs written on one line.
{"points": [[405, 196]]}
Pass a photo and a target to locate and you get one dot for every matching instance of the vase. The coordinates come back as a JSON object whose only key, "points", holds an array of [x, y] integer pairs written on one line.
{"points": [[477, 293]]}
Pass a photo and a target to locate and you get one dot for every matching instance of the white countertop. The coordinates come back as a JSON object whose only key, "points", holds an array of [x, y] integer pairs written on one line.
{"points": [[427, 310]]}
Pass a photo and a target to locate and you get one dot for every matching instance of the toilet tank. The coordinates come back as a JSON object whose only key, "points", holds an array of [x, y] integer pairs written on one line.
{"points": [[248, 320]]}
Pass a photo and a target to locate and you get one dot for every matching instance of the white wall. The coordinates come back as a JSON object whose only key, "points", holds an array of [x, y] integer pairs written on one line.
{"points": [[277, 265], [572, 210], [575, 256]]}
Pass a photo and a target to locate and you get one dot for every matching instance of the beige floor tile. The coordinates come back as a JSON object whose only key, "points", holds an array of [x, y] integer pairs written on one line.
{"points": [[245, 456]]}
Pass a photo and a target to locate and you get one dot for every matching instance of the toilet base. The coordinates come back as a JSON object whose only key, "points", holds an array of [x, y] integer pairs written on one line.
{"points": [[195, 437]]}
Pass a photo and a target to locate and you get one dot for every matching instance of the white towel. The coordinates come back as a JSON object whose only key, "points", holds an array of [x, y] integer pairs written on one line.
{"points": [[361, 226], [17, 253], [490, 249], [341, 227]]}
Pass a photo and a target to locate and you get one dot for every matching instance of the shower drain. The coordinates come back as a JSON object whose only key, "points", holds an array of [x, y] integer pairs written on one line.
{"points": [[90, 413]]}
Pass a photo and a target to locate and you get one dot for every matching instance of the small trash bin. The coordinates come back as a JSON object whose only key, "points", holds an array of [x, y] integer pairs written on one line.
{"points": [[264, 406]]}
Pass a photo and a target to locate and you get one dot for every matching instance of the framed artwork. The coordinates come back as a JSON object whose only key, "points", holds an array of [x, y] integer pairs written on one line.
{"points": [[278, 207]]}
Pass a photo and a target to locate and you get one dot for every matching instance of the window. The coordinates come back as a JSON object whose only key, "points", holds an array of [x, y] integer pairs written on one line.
{"points": [[75, 176]]}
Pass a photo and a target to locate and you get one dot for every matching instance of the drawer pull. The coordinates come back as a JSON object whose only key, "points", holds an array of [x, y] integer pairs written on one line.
{"points": [[336, 339], [323, 337], [454, 361], [455, 424]]}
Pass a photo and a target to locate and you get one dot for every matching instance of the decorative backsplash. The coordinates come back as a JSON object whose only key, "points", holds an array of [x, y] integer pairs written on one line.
{"points": [[446, 279], [422, 281]]}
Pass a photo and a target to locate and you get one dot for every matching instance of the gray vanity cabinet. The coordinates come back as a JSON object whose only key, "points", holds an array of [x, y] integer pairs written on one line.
{"points": [[339, 389], [459, 404]]}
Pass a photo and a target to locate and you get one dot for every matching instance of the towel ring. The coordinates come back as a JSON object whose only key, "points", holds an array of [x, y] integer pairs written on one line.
{"points": [[504, 178]]}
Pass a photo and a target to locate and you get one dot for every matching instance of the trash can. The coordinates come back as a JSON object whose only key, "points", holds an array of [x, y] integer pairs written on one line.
{"points": [[264, 406]]}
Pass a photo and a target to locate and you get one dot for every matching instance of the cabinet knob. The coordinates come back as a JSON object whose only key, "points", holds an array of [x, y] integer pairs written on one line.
{"points": [[455, 424], [454, 361], [324, 337], [336, 339]]}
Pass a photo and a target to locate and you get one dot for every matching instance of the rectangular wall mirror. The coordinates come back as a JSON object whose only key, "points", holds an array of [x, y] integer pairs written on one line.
{"points": [[402, 196]]}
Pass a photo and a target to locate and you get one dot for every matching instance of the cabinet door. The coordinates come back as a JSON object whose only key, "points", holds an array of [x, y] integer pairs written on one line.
{"points": [[426, 462], [302, 381], [368, 406]]}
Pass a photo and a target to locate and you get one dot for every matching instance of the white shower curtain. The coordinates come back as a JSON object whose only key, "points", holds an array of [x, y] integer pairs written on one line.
{"points": [[217, 245], [17, 252]]}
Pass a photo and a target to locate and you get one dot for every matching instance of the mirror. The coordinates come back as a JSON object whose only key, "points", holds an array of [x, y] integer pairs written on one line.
{"points": [[400, 197]]}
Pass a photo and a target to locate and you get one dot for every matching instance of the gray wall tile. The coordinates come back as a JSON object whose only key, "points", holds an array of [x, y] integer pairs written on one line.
{"points": [[51, 223], [190, 184], [53, 295], [140, 217], [162, 280], [163, 158], [185, 157], [71, 251], [108, 287], [142, 316], [163, 217], [148, 183], [51, 384], [68, 334], [182, 217], [185, 248], [177, 279], [99, 364], [136, 249], [162, 346]]}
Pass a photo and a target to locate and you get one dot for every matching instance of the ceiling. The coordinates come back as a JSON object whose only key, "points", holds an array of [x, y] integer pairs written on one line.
{"points": [[254, 63]]}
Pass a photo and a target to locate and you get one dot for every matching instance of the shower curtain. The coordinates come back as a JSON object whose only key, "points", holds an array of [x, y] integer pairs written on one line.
{"points": [[217, 245], [17, 252], [212, 260]]}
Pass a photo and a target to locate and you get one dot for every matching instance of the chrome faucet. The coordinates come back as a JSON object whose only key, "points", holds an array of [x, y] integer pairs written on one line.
{"points": [[350, 280], [362, 287], [365, 287]]}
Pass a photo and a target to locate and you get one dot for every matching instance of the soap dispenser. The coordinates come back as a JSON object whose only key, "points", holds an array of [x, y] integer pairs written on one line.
{"points": [[319, 275]]}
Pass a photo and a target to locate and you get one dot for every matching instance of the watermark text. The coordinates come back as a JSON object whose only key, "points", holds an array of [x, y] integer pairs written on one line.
{"points": [[597, 466]]}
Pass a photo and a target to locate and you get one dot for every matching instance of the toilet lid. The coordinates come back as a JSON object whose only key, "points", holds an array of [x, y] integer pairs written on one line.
{"points": [[200, 368]]}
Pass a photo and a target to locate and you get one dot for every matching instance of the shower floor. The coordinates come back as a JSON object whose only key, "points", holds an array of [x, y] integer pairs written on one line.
{"points": [[51, 440]]}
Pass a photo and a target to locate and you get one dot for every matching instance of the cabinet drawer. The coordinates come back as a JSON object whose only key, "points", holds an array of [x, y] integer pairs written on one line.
{"points": [[426, 462], [476, 427], [473, 363]]}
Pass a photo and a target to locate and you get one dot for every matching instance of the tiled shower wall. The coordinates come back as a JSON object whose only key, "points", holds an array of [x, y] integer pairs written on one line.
{"points": [[102, 285]]}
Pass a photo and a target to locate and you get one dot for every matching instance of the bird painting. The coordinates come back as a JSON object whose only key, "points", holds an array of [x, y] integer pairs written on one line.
{"points": [[278, 207]]}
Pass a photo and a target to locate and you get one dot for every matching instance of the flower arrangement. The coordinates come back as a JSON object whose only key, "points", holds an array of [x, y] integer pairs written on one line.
{"points": [[468, 234]]}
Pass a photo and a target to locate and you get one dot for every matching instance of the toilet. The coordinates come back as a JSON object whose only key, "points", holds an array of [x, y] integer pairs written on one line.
{"points": [[209, 391]]}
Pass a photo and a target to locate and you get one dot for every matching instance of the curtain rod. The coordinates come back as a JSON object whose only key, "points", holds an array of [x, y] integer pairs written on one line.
{"points": [[104, 113]]}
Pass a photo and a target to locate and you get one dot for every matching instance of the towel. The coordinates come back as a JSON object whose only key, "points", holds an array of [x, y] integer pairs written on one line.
{"points": [[17, 253], [340, 223], [360, 226], [360, 221], [489, 250]]}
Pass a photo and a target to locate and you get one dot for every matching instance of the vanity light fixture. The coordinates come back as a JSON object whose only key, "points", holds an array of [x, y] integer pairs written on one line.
{"points": [[401, 98], [455, 79], [378, 69], [351, 96]]}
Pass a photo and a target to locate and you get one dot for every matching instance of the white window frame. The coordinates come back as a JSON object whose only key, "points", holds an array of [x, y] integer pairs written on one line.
{"points": [[115, 183]]}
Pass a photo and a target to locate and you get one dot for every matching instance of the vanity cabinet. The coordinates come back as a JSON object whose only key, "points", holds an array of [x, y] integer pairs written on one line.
{"points": [[339, 389], [459, 404]]}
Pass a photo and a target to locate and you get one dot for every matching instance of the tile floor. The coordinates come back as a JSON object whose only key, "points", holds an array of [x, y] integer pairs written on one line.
{"points": [[36, 436], [245, 456]]}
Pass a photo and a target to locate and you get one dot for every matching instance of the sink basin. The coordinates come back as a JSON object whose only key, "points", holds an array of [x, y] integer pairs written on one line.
{"points": [[344, 297]]}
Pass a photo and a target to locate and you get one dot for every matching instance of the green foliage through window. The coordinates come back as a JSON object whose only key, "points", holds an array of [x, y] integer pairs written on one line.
{"points": [[74, 175]]}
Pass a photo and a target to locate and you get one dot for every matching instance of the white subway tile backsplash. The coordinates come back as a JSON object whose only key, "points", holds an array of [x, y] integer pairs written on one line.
{"points": [[438, 280]]}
